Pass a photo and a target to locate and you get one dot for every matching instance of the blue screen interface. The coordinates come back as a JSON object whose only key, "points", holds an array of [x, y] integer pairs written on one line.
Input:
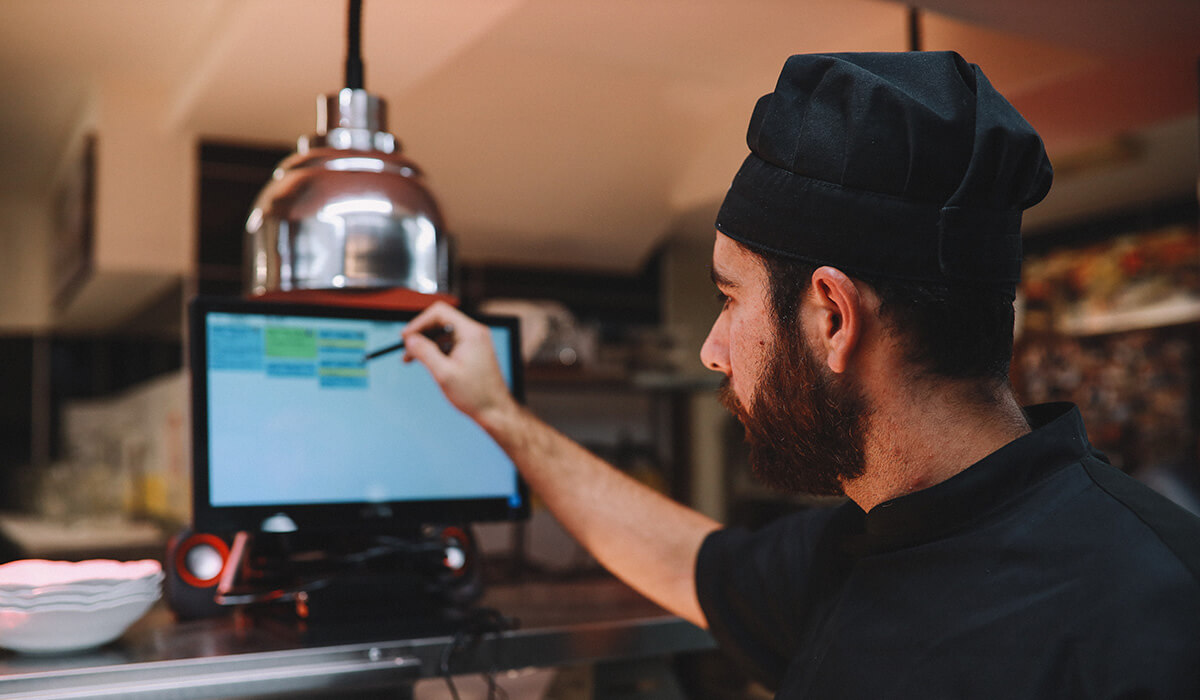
{"points": [[298, 415]]}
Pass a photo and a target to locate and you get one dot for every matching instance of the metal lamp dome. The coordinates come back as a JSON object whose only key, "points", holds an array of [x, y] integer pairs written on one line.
{"points": [[347, 210]]}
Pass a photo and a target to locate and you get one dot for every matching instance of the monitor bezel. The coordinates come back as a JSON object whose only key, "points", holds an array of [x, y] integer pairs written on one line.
{"points": [[365, 516]]}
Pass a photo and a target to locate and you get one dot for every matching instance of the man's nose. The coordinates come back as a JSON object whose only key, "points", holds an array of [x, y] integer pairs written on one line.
{"points": [[715, 351]]}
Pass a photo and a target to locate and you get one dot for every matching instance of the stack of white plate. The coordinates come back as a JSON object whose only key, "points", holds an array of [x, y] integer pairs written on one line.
{"points": [[60, 606]]}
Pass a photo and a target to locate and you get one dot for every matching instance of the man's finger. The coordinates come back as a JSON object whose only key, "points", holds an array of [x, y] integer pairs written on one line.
{"points": [[439, 314], [427, 352]]}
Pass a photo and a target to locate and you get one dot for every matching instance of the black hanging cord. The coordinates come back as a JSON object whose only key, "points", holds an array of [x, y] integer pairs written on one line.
{"points": [[354, 63], [914, 29]]}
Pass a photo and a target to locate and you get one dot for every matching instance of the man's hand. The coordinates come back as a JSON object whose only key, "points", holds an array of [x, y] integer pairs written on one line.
{"points": [[468, 374]]}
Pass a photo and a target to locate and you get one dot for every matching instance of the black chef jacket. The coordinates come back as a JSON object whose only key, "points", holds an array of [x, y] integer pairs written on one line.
{"points": [[1038, 572]]}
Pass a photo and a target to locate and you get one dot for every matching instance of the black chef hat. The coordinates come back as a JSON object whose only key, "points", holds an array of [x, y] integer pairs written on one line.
{"points": [[902, 165]]}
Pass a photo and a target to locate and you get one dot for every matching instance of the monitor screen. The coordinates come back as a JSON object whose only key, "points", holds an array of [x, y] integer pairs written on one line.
{"points": [[297, 425]]}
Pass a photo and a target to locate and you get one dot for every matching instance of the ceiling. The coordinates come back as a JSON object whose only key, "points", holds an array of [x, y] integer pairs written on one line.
{"points": [[576, 132]]}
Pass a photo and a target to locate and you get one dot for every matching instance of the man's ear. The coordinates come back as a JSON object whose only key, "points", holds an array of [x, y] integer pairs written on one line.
{"points": [[839, 316]]}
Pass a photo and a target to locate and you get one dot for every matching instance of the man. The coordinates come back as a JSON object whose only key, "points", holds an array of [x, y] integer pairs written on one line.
{"points": [[868, 253]]}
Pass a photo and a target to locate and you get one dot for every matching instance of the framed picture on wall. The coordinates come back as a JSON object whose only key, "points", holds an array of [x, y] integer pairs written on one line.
{"points": [[74, 224]]}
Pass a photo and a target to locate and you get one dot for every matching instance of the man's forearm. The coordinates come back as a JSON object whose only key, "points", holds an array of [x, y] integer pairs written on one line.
{"points": [[645, 538]]}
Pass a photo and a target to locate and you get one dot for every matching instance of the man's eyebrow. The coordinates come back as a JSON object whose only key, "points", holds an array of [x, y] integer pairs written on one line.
{"points": [[719, 279]]}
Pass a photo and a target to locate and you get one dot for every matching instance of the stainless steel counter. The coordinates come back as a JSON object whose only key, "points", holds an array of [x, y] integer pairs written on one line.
{"points": [[244, 657]]}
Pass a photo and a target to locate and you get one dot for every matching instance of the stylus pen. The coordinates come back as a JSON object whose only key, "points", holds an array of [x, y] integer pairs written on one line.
{"points": [[443, 336]]}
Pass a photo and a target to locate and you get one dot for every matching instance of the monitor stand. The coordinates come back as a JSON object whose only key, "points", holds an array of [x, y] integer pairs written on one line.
{"points": [[415, 584]]}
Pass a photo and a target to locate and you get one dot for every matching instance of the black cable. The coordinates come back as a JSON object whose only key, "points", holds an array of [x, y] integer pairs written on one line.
{"points": [[479, 623], [390, 546], [444, 668], [354, 62], [495, 692]]}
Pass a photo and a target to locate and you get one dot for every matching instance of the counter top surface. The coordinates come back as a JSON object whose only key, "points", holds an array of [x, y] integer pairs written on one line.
{"points": [[559, 623]]}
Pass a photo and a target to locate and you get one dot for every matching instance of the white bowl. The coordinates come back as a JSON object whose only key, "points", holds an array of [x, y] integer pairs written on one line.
{"points": [[53, 629], [60, 606]]}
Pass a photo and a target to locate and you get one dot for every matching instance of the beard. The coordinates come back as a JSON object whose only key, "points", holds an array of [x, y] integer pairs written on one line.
{"points": [[805, 426]]}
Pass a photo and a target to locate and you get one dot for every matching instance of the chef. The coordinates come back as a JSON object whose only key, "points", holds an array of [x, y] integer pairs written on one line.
{"points": [[868, 252]]}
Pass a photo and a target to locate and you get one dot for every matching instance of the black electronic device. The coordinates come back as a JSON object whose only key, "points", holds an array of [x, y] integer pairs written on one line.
{"points": [[294, 429], [345, 480]]}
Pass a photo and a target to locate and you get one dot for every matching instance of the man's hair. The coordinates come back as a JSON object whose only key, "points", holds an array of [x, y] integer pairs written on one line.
{"points": [[952, 332]]}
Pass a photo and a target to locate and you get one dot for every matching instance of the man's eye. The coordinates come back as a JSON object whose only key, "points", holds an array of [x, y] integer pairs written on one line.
{"points": [[722, 297]]}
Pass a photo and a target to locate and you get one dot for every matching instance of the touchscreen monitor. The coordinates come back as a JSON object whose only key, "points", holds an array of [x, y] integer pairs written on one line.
{"points": [[304, 420]]}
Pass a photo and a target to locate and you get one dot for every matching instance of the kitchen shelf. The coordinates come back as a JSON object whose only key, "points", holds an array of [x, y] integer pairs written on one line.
{"points": [[1170, 312]]}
